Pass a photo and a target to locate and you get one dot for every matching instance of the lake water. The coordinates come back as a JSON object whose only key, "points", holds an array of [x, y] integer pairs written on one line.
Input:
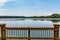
{"points": [[30, 22], [25, 20]]}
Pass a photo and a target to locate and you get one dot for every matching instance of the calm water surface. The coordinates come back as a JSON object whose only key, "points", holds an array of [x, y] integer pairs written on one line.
{"points": [[30, 22], [18, 20]]}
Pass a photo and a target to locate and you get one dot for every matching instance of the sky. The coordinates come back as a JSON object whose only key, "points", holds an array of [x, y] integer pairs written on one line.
{"points": [[29, 7]]}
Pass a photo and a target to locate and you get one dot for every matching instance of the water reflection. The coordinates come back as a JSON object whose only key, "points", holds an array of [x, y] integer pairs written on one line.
{"points": [[18, 21], [55, 20], [30, 23]]}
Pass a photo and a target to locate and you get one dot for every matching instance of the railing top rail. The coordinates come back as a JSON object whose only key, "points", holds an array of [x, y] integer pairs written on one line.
{"points": [[30, 28], [2, 24], [57, 24]]}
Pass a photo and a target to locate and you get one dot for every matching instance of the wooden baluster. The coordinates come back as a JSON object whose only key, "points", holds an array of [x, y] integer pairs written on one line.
{"points": [[28, 34]]}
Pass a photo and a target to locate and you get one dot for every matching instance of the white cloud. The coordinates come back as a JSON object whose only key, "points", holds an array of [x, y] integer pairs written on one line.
{"points": [[2, 2]]}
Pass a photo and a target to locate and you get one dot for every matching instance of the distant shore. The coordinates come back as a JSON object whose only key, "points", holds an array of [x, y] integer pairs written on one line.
{"points": [[51, 16]]}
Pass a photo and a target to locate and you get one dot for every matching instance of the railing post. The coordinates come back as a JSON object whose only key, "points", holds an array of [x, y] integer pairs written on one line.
{"points": [[56, 32], [28, 34], [3, 32]]}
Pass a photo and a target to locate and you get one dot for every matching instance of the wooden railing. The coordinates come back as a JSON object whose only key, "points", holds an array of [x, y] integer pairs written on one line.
{"points": [[29, 33]]}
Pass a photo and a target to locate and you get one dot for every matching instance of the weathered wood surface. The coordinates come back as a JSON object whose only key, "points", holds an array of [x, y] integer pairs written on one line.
{"points": [[4, 28]]}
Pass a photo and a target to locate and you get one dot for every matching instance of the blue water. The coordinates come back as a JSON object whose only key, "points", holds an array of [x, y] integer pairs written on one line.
{"points": [[29, 23]]}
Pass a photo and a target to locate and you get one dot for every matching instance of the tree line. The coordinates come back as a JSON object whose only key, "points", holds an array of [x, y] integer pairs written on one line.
{"points": [[51, 16]]}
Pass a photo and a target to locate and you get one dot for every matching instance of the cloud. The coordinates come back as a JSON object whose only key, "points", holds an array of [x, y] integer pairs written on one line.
{"points": [[2, 2]]}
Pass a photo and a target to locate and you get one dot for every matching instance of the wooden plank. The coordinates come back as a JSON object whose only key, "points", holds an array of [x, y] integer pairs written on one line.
{"points": [[17, 37], [27, 38], [30, 38], [58, 38], [29, 28]]}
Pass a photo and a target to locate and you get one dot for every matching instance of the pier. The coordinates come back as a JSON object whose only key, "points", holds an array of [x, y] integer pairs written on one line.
{"points": [[28, 33]]}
